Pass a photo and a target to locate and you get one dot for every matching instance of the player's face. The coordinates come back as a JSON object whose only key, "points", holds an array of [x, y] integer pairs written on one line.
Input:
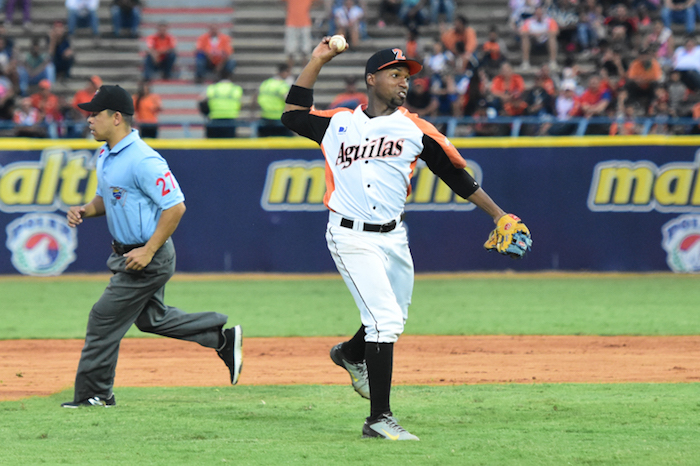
{"points": [[391, 85]]}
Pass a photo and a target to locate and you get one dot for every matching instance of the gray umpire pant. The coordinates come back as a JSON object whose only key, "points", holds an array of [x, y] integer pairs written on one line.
{"points": [[136, 298]]}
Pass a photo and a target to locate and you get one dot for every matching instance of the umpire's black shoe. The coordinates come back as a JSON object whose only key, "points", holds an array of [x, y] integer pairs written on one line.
{"points": [[232, 352], [92, 401]]}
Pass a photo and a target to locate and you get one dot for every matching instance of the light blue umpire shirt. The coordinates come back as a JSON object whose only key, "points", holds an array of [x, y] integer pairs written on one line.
{"points": [[136, 186]]}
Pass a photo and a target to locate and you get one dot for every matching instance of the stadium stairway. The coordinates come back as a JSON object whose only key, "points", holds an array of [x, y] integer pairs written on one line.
{"points": [[180, 116]]}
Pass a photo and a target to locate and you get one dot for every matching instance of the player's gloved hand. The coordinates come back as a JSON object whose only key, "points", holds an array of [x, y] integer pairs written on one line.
{"points": [[510, 237]]}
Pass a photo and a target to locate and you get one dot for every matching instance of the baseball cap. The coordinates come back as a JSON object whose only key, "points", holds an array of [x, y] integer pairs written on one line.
{"points": [[110, 98], [386, 57]]}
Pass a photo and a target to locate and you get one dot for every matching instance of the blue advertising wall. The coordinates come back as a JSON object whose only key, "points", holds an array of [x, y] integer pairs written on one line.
{"points": [[627, 204]]}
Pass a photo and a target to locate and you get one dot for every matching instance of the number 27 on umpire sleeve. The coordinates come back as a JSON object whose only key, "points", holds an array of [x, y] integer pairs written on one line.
{"points": [[162, 181]]}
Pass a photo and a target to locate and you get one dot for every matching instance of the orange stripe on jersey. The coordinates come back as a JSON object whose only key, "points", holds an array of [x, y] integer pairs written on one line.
{"points": [[429, 130], [328, 113], [330, 182], [410, 177]]}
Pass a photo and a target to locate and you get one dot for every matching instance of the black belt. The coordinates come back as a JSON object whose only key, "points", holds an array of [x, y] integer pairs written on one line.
{"points": [[122, 249], [385, 228]]}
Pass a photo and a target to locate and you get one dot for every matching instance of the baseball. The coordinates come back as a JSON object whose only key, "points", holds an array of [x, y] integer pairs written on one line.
{"points": [[338, 43]]}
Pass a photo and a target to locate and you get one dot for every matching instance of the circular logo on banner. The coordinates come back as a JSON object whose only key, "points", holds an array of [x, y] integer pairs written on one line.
{"points": [[681, 240], [41, 244]]}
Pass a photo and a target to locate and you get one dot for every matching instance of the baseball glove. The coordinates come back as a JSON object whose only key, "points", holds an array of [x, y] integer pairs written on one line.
{"points": [[510, 237]]}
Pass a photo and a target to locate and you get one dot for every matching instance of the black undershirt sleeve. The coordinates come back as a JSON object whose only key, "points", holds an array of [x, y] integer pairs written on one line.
{"points": [[459, 180], [305, 124]]}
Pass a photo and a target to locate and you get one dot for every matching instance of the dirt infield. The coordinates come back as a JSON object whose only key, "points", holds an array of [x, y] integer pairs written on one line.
{"points": [[42, 367]]}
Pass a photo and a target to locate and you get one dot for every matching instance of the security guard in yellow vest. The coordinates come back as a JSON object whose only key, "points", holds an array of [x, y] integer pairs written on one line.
{"points": [[270, 99], [222, 104]]}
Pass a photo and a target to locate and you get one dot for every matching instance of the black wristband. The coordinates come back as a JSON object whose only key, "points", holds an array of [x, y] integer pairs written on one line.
{"points": [[300, 96]]}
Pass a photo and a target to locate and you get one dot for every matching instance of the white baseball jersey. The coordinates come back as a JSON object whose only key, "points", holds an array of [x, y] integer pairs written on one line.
{"points": [[370, 161], [369, 164]]}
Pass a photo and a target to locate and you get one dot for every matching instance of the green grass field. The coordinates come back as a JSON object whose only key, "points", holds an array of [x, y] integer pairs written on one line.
{"points": [[538, 424], [655, 304]]}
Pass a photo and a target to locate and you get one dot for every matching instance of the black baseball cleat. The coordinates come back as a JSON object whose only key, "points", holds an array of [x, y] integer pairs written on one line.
{"points": [[92, 401], [232, 352]]}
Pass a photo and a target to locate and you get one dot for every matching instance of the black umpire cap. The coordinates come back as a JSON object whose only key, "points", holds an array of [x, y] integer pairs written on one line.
{"points": [[386, 57], [110, 98]]}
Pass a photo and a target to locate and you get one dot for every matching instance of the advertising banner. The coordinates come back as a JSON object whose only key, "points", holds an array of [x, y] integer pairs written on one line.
{"points": [[627, 204]]}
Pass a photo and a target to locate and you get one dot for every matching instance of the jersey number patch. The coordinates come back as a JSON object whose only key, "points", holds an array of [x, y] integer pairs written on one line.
{"points": [[162, 181]]}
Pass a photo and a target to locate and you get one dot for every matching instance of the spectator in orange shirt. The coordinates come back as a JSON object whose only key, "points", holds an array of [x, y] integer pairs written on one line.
{"points": [[412, 45], [507, 89], [214, 53], [643, 76], [160, 53], [45, 101], [351, 97], [77, 126], [297, 31], [85, 95], [492, 51], [460, 32], [595, 101], [541, 31], [48, 105], [147, 106]]}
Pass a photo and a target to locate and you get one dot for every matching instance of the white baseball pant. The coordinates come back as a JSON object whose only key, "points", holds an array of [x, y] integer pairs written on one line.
{"points": [[378, 271]]}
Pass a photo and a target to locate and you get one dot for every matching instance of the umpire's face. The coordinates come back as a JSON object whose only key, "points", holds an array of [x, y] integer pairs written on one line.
{"points": [[102, 124], [390, 85]]}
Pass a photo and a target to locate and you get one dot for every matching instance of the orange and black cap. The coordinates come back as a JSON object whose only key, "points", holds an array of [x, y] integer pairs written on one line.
{"points": [[388, 57]]}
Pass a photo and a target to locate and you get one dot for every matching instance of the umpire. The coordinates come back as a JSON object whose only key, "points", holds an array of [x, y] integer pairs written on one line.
{"points": [[144, 204]]}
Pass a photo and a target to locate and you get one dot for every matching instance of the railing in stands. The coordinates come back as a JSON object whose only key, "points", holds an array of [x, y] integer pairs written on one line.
{"points": [[450, 126]]}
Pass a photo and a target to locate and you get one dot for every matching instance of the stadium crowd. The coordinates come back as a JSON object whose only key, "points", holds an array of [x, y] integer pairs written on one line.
{"points": [[621, 69], [616, 64], [28, 105]]}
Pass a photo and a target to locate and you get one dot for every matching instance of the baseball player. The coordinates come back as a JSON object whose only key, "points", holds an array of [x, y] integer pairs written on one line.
{"points": [[370, 154], [144, 204]]}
